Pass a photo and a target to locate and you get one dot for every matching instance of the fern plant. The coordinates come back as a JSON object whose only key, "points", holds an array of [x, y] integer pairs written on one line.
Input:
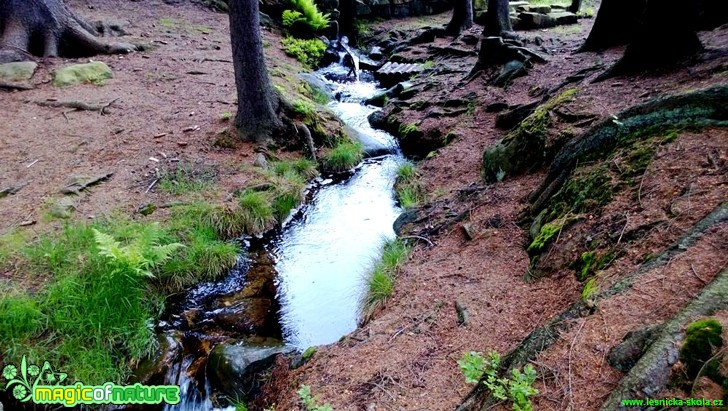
{"points": [[140, 255]]}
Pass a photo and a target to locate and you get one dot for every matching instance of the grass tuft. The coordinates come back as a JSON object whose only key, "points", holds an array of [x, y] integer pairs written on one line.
{"points": [[380, 284], [343, 157], [407, 187]]}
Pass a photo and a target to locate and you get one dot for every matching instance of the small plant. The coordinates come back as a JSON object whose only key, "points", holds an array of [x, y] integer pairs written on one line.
{"points": [[226, 116], [518, 388], [304, 109], [309, 401], [381, 282], [307, 51], [548, 231], [407, 187], [343, 157], [306, 12], [140, 255], [407, 130], [186, 178], [427, 65], [589, 290]]}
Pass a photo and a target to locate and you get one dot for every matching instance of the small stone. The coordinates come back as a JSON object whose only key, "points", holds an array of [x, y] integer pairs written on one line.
{"points": [[146, 209], [469, 231], [24, 224], [260, 161], [64, 208]]}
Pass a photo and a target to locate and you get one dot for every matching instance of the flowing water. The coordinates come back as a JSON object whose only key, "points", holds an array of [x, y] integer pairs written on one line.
{"points": [[322, 255]]}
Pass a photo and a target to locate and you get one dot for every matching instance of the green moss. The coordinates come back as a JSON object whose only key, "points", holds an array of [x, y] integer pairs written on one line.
{"points": [[548, 231], [308, 353], [702, 340], [588, 189], [95, 72], [408, 130], [536, 124]]}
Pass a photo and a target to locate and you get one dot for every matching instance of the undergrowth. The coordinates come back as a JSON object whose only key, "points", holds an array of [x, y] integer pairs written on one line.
{"points": [[307, 51], [516, 388]]}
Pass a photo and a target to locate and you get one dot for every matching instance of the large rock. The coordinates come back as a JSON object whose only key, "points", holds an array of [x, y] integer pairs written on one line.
{"points": [[17, 72], [529, 20], [563, 17], [95, 72], [237, 370]]}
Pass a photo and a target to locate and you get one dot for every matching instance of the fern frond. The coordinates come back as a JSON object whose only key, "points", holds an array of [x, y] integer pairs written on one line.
{"points": [[108, 246]]}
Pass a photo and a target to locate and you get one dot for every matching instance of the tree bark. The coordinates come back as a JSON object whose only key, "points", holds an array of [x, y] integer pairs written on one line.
{"points": [[48, 28], [256, 119], [667, 34], [497, 19], [575, 6], [462, 17], [616, 24]]}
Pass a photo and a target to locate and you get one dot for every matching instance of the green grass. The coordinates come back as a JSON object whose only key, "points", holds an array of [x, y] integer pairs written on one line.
{"points": [[344, 156], [256, 212], [104, 284], [407, 187], [380, 283], [186, 178]]}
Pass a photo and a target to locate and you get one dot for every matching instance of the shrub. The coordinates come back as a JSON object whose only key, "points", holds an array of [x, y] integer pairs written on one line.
{"points": [[307, 51]]}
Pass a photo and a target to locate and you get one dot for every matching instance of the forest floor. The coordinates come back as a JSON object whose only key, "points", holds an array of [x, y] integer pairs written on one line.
{"points": [[167, 114]]}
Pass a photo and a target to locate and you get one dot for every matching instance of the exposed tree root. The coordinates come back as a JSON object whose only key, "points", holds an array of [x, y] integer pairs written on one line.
{"points": [[48, 28], [651, 373], [543, 337], [693, 109]]}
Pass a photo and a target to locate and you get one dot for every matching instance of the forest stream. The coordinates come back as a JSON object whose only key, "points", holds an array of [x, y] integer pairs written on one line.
{"points": [[318, 263]]}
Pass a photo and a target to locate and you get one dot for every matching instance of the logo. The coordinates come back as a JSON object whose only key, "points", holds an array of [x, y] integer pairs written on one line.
{"points": [[43, 385]]}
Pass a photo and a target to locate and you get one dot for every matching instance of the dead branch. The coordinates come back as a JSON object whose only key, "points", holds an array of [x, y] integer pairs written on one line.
{"points": [[77, 105]]}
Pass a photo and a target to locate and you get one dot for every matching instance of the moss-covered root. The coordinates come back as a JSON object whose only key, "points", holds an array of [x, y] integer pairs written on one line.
{"points": [[543, 337], [701, 108], [651, 373]]}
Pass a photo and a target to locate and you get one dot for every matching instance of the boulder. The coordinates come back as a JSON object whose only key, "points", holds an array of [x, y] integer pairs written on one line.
{"points": [[238, 370], [563, 17], [17, 72], [317, 84], [95, 72], [529, 20]]}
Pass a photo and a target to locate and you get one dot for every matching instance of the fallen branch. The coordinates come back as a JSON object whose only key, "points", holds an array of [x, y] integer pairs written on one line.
{"points": [[417, 237], [77, 105]]}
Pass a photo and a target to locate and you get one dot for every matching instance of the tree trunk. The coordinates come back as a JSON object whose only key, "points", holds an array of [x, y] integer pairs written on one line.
{"points": [[575, 6], [256, 119], [497, 19], [667, 34], [616, 24], [48, 28], [462, 17]]}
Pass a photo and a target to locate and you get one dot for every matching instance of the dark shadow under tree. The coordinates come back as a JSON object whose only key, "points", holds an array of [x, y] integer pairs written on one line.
{"points": [[48, 28]]}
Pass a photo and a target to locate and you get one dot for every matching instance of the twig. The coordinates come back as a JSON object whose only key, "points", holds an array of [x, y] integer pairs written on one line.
{"points": [[705, 364], [417, 237], [626, 221], [571, 349], [695, 273], [151, 185], [31, 164]]}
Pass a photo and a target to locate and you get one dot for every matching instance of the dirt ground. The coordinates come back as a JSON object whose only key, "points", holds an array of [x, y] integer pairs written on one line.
{"points": [[167, 108]]}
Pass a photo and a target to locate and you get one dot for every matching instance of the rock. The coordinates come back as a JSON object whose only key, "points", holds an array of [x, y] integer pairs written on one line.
{"points": [[17, 72], [462, 313], [373, 142], [469, 231], [95, 72], [146, 209], [238, 370], [532, 8], [510, 71], [563, 17], [376, 53], [469, 39], [409, 216], [266, 20], [63, 208], [496, 107], [515, 115], [317, 84], [530, 20], [260, 161]]}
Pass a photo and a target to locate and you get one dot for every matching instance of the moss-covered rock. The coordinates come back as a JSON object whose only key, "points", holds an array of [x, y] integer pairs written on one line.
{"points": [[95, 72], [18, 71], [523, 149], [702, 340]]}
